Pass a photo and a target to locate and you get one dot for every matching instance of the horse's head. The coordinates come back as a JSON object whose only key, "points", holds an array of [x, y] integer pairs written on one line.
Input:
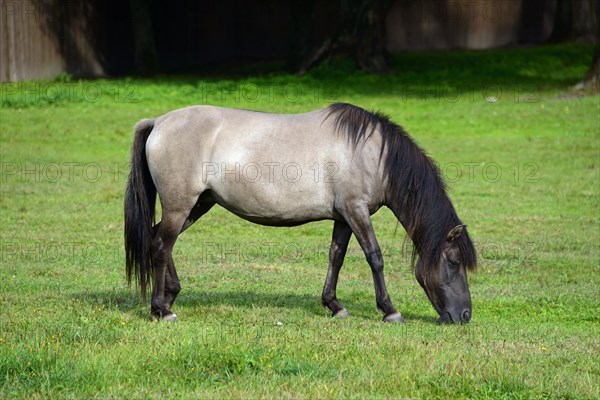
{"points": [[446, 284]]}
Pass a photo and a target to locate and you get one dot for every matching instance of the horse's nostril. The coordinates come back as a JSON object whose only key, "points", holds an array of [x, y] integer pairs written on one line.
{"points": [[466, 316]]}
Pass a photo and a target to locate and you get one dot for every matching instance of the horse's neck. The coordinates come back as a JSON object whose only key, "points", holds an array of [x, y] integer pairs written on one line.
{"points": [[416, 222], [403, 214]]}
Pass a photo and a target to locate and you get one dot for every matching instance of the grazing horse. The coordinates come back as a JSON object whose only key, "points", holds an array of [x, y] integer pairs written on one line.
{"points": [[340, 163]]}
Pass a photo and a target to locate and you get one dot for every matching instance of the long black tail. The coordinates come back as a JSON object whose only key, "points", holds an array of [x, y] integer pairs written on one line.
{"points": [[140, 201]]}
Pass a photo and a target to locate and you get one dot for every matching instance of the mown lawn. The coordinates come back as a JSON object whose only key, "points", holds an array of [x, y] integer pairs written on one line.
{"points": [[522, 161]]}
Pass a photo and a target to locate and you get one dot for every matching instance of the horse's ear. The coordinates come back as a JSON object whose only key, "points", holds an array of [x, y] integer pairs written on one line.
{"points": [[455, 232]]}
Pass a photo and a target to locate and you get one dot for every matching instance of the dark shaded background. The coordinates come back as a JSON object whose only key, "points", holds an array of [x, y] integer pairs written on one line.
{"points": [[41, 38]]}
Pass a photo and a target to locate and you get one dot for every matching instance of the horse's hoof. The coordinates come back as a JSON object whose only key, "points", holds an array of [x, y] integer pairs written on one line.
{"points": [[169, 318], [394, 318], [343, 313]]}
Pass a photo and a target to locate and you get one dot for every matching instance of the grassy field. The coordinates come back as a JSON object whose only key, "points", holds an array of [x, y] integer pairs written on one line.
{"points": [[522, 161]]}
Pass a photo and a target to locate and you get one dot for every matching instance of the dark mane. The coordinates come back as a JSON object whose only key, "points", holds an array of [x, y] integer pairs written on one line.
{"points": [[414, 184]]}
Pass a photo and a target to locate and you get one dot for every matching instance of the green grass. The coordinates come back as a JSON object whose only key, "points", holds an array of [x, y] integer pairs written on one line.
{"points": [[70, 327]]}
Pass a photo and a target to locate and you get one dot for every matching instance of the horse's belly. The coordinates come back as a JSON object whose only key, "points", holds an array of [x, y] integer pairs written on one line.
{"points": [[268, 195]]}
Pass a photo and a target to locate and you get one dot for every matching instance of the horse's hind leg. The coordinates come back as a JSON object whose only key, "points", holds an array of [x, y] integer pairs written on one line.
{"points": [[172, 285], [162, 248], [339, 245]]}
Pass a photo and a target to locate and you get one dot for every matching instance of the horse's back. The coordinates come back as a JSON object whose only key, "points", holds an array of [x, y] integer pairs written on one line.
{"points": [[269, 168], [209, 127]]}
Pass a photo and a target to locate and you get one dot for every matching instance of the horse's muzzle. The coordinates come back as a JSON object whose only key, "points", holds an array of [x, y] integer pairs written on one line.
{"points": [[449, 317]]}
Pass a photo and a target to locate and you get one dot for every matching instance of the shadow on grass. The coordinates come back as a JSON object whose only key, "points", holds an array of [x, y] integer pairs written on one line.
{"points": [[517, 74], [124, 300], [129, 302], [551, 66], [247, 299], [411, 316]]}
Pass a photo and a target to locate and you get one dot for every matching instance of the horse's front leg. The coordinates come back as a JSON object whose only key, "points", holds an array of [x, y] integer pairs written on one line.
{"points": [[359, 220]]}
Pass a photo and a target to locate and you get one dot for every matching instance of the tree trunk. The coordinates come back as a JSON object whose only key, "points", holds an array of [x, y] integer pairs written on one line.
{"points": [[301, 37], [370, 51], [144, 48], [361, 36], [563, 22], [591, 80], [574, 20]]}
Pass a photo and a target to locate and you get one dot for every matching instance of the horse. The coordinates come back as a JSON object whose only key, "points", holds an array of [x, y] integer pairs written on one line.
{"points": [[340, 163]]}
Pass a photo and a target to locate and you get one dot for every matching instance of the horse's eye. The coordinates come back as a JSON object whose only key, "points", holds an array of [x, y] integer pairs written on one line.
{"points": [[453, 263]]}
